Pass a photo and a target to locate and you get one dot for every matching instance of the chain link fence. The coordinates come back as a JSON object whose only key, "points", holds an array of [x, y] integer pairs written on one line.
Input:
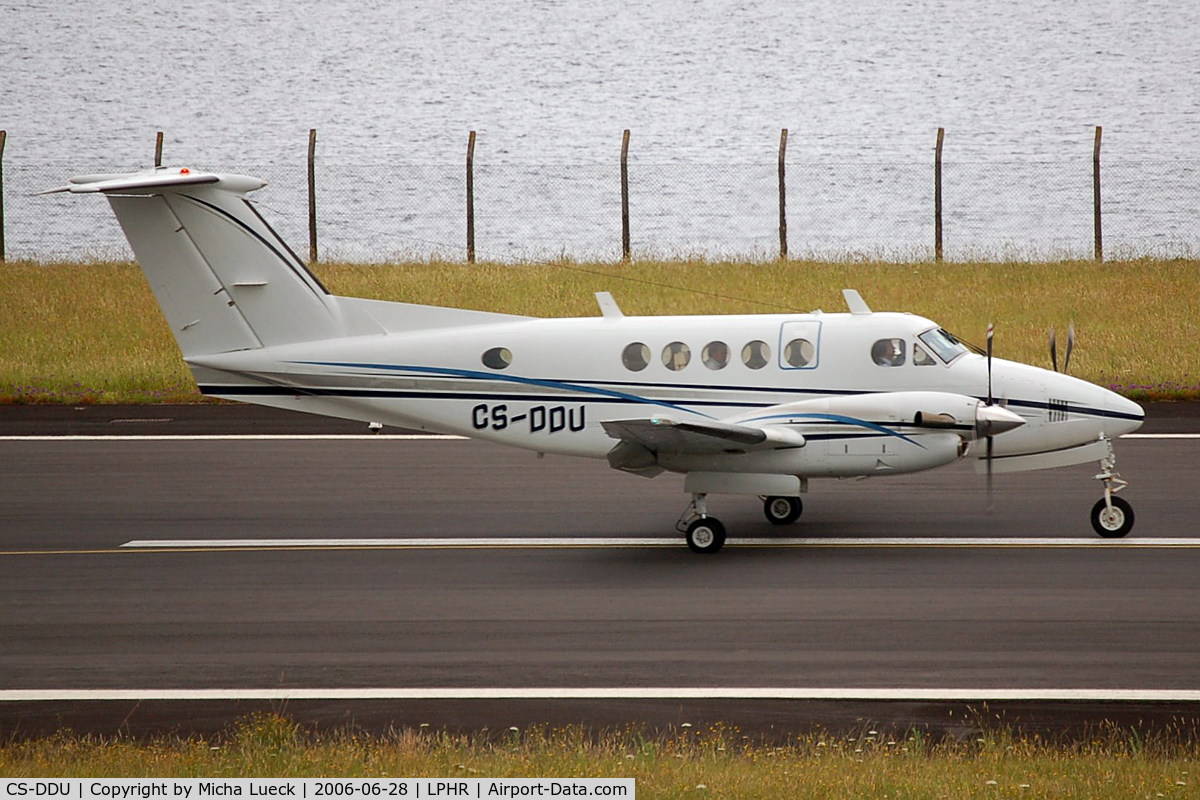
{"points": [[835, 210]]}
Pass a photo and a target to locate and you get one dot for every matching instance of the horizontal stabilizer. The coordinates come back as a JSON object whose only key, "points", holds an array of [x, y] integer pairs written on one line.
{"points": [[156, 180]]}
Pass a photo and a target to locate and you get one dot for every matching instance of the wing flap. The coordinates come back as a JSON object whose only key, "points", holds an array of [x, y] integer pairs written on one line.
{"points": [[672, 436], [668, 435]]}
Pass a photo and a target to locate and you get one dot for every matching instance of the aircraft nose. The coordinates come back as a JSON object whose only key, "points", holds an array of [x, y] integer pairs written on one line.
{"points": [[1122, 415]]}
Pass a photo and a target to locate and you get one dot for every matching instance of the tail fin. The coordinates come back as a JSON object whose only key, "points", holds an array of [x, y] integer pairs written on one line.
{"points": [[224, 278]]}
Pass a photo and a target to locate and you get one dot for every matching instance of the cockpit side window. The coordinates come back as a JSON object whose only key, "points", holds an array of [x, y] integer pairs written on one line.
{"points": [[921, 357], [888, 352], [944, 344]]}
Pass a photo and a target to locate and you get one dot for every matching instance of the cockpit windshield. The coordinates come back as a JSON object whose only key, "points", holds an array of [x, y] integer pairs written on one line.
{"points": [[947, 346]]}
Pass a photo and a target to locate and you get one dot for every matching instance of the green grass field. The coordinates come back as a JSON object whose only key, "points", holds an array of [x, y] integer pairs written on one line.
{"points": [[689, 763], [91, 332]]}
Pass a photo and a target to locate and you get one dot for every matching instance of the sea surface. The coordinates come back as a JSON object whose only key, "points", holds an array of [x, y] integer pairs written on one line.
{"points": [[393, 88]]}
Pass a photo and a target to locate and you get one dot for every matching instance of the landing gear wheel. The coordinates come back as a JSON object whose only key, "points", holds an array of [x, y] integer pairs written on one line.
{"points": [[705, 535], [1112, 524], [782, 510]]}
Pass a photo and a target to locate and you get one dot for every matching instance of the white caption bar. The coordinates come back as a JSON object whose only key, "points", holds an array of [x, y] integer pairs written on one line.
{"points": [[333, 788]]}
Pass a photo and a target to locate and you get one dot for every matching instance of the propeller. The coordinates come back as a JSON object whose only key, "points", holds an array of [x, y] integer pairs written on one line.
{"points": [[1070, 347], [991, 330], [1054, 348]]}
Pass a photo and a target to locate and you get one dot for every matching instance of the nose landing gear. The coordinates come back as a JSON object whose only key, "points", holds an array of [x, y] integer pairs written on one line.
{"points": [[1112, 517]]}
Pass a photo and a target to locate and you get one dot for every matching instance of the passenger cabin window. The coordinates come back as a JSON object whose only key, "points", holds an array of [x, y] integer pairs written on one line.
{"points": [[715, 355], [920, 357], [756, 354], [497, 358], [888, 352], [799, 352], [635, 357], [676, 356]]}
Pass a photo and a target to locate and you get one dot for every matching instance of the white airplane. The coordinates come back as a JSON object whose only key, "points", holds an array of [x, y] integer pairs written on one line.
{"points": [[741, 404]]}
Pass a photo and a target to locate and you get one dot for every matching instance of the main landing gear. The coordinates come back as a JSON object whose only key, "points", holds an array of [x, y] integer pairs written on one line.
{"points": [[1112, 517], [782, 510], [706, 534]]}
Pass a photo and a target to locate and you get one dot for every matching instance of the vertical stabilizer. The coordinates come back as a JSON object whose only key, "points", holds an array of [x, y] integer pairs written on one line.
{"points": [[224, 278]]}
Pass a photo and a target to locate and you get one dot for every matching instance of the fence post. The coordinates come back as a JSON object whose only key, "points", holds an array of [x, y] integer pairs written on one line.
{"points": [[625, 195], [782, 197], [312, 196], [471, 198], [3, 138], [1096, 197], [937, 196], [158, 149]]}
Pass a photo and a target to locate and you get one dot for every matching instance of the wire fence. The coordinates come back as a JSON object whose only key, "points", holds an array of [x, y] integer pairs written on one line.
{"points": [[843, 210]]}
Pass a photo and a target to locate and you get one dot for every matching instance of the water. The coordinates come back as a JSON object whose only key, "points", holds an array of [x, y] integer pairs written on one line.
{"points": [[393, 89]]}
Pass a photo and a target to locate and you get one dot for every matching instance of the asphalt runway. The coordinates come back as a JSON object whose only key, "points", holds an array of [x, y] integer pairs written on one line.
{"points": [[814, 612]]}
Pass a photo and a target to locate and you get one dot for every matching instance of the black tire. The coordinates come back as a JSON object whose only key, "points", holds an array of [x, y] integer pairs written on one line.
{"points": [[1116, 526], [706, 535], [782, 510]]}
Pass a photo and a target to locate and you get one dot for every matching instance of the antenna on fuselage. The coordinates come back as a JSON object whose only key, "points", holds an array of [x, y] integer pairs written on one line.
{"points": [[855, 302]]}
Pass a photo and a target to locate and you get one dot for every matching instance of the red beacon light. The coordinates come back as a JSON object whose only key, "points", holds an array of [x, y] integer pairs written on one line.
{"points": [[184, 171]]}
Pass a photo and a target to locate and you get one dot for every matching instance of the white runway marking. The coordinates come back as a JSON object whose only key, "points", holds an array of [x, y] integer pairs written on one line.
{"points": [[1160, 436], [300, 437], [612, 693], [672, 541]]}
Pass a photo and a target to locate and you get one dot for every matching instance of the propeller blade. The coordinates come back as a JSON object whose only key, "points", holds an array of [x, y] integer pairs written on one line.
{"points": [[990, 331], [990, 507], [1070, 346], [1053, 350]]}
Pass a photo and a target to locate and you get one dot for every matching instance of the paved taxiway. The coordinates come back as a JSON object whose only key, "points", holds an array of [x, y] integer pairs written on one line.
{"points": [[80, 611]]}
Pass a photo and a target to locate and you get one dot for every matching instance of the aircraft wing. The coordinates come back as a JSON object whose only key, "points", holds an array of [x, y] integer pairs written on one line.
{"points": [[683, 437], [640, 440]]}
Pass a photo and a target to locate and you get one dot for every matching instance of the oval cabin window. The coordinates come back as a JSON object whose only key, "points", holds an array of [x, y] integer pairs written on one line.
{"points": [[756, 354], [497, 358], [888, 352], [715, 355], [676, 356], [635, 357], [799, 352]]}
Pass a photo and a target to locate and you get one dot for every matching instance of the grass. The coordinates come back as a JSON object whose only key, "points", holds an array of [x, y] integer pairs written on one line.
{"points": [[716, 762], [91, 332]]}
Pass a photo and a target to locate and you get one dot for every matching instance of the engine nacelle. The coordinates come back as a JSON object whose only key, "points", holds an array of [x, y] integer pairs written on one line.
{"points": [[866, 434], [837, 457]]}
